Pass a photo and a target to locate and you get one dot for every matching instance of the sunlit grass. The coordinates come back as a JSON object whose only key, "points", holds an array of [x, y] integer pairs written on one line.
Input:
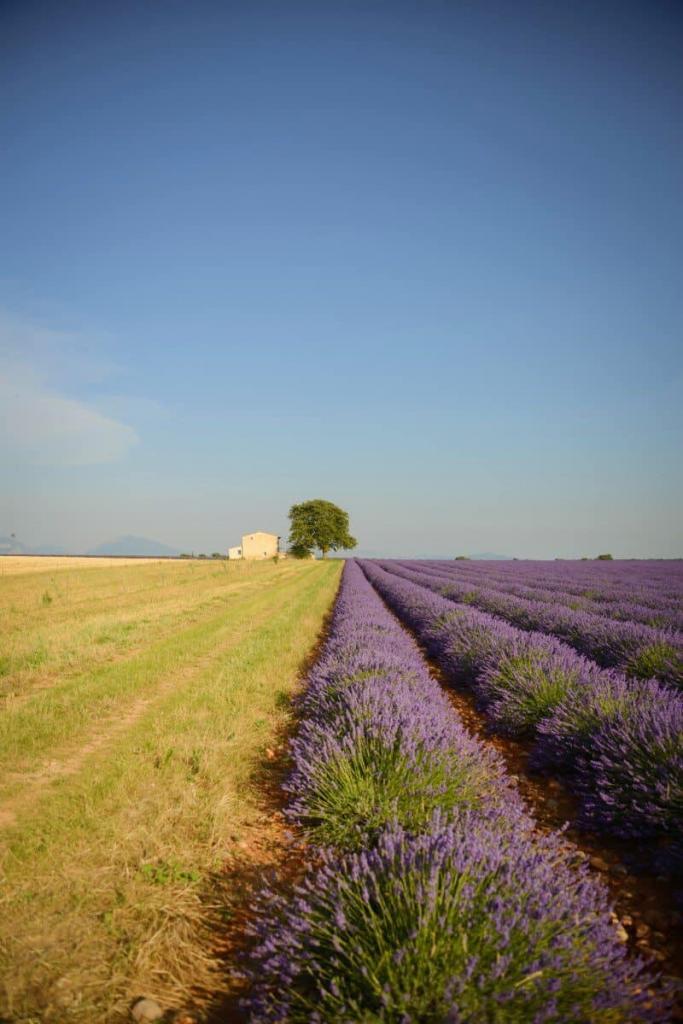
{"points": [[142, 781]]}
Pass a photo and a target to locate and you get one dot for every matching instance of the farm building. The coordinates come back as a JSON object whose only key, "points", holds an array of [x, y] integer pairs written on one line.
{"points": [[256, 545]]}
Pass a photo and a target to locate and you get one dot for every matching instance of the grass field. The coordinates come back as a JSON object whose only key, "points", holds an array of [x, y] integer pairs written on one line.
{"points": [[137, 702], [13, 565]]}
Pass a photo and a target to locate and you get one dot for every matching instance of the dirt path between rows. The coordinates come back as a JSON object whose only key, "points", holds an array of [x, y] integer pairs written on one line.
{"points": [[642, 902], [273, 855], [270, 855]]}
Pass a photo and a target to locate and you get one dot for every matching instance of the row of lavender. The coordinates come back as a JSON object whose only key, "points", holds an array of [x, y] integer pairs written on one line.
{"points": [[634, 648], [618, 742], [625, 604], [604, 587], [430, 898], [651, 581]]}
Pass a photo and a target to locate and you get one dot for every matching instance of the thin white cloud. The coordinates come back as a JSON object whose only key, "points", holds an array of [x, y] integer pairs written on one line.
{"points": [[39, 424], [64, 358]]}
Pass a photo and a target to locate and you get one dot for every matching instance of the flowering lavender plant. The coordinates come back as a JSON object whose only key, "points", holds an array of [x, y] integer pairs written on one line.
{"points": [[620, 738], [378, 739], [522, 687], [624, 599], [454, 925], [637, 649], [567, 735], [636, 760]]}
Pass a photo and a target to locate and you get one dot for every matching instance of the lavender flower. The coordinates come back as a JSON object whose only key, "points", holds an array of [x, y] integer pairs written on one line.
{"points": [[455, 924], [449, 905], [378, 739], [639, 650], [624, 735]]}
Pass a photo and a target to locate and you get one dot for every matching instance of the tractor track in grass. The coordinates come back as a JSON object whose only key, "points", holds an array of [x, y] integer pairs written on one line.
{"points": [[26, 787], [110, 728], [17, 690], [652, 928]]}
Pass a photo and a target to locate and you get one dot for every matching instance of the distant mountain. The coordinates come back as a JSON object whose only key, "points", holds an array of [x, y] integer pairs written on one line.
{"points": [[11, 546], [48, 549], [133, 546]]}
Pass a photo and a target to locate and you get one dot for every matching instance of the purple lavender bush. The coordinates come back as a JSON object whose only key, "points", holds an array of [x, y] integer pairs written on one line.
{"points": [[391, 753], [627, 602], [632, 775], [567, 735], [624, 745], [522, 686], [454, 925], [378, 739], [517, 677], [638, 650], [660, 659], [456, 910], [619, 739]]}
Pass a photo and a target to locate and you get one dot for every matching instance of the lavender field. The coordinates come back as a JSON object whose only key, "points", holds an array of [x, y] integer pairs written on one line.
{"points": [[430, 891]]}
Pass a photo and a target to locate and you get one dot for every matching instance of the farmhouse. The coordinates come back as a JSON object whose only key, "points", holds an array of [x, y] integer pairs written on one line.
{"points": [[255, 546]]}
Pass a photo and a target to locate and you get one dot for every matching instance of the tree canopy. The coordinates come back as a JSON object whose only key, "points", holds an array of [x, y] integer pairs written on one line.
{"points": [[318, 524]]}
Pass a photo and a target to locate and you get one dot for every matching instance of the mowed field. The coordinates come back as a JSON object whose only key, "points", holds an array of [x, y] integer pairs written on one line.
{"points": [[138, 702], [13, 565]]}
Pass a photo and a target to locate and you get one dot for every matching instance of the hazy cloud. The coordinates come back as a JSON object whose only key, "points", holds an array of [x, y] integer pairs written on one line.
{"points": [[41, 425]]}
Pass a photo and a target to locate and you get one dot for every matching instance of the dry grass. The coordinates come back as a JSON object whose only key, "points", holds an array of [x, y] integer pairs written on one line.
{"points": [[14, 565], [133, 777], [57, 625]]}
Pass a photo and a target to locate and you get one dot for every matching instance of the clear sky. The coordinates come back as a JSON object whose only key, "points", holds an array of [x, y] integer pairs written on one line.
{"points": [[421, 259]]}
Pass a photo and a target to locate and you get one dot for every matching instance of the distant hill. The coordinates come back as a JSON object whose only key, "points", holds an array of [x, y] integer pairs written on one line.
{"points": [[48, 549], [488, 556], [133, 546]]}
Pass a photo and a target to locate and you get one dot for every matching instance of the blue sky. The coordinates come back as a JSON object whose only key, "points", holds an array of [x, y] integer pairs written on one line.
{"points": [[423, 260]]}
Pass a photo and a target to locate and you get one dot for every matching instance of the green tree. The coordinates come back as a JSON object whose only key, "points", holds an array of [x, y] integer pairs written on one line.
{"points": [[318, 524]]}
